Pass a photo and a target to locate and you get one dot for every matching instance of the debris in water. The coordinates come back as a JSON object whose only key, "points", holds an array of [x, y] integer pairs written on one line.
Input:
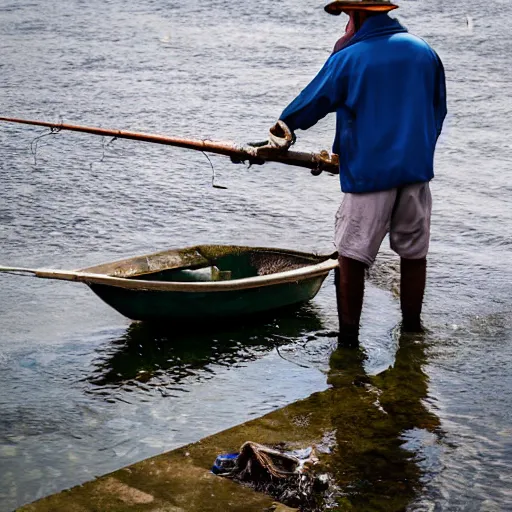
{"points": [[287, 476]]}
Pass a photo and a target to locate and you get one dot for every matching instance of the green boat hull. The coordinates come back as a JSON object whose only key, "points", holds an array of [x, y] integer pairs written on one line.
{"points": [[148, 305], [206, 282]]}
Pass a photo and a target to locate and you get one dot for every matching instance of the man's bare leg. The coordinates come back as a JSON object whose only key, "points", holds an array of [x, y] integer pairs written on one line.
{"points": [[413, 276], [349, 280]]}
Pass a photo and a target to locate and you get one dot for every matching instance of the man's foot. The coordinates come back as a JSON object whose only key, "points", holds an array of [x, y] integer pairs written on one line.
{"points": [[413, 327], [348, 336]]}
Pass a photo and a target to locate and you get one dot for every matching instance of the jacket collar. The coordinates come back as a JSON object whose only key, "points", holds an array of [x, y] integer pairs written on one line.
{"points": [[377, 26]]}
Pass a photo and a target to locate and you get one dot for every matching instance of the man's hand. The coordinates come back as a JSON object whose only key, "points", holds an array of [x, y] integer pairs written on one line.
{"points": [[280, 136], [323, 159], [280, 139]]}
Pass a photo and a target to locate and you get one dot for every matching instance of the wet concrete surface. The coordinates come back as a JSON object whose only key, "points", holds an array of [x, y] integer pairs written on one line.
{"points": [[361, 426]]}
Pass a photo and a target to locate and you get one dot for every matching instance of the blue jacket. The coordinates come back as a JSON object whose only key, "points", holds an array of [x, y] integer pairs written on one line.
{"points": [[388, 90]]}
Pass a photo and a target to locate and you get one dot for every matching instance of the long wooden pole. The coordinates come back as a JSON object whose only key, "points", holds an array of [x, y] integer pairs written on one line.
{"points": [[314, 161], [288, 276]]}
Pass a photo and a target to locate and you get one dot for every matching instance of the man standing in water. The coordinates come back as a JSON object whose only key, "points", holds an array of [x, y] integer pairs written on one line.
{"points": [[387, 88]]}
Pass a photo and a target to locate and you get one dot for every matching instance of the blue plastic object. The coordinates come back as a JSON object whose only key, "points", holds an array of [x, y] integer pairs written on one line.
{"points": [[224, 463]]}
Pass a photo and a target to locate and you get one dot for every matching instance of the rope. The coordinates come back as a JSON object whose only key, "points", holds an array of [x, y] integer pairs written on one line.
{"points": [[35, 142], [213, 173]]}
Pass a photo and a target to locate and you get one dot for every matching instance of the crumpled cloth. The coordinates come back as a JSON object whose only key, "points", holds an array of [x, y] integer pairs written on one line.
{"points": [[256, 462]]}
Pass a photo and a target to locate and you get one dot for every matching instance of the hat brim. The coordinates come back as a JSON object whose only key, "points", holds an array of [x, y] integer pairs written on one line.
{"points": [[336, 8]]}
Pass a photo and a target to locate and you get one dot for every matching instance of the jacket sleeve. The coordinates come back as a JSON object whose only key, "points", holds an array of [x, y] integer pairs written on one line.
{"points": [[440, 97], [322, 96]]}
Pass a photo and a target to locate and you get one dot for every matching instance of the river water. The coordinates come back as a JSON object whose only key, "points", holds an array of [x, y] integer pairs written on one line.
{"points": [[83, 392]]}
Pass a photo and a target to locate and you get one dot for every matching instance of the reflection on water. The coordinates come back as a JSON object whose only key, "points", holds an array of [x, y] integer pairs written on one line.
{"points": [[142, 393], [381, 423], [151, 357]]}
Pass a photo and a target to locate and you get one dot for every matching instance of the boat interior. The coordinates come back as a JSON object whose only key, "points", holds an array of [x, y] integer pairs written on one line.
{"points": [[207, 263]]}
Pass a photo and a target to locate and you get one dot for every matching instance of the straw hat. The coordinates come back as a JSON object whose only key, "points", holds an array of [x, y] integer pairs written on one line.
{"points": [[339, 6]]}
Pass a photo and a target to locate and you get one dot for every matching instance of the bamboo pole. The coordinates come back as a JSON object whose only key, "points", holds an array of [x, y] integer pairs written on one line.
{"points": [[288, 276], [19, 270], [315, 161]]}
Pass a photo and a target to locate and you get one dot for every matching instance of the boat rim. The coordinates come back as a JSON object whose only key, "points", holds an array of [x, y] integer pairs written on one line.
{"points": [[288, 276]]}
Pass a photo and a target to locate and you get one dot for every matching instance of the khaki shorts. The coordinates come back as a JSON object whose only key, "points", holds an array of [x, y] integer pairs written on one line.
{"points": [[363, 220]]}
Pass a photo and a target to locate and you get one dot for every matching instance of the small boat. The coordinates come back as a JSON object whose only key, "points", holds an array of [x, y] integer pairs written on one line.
{"points": [[202, 282]]}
